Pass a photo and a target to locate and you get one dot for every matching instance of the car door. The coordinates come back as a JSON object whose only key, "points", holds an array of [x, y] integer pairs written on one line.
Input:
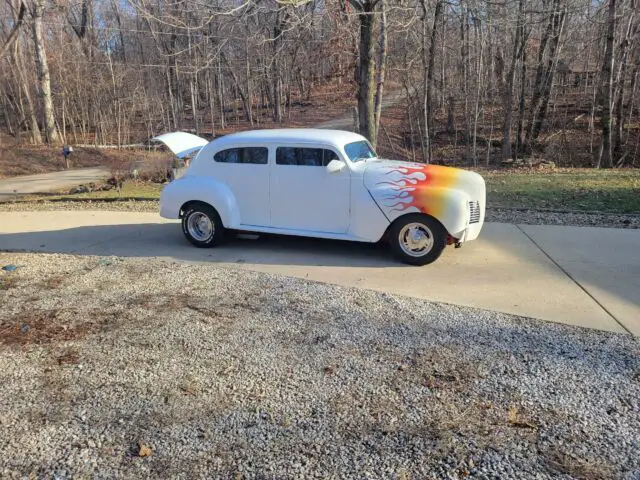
{"points": [[305, 195], [245, 170]]}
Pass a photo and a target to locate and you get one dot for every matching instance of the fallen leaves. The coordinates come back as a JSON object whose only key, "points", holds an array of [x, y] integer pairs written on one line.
{"points": [[69, 357], [329, 369], [188, 385], [144, 450], [188, 388]]}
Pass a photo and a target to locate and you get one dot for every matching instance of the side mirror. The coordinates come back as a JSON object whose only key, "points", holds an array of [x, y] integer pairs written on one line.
{"points": [[335, 166]]}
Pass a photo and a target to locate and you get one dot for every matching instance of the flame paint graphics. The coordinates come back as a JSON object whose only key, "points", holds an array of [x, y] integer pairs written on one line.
{"points": [[421, 187]]}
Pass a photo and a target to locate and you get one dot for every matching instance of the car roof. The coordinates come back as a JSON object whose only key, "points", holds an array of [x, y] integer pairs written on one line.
{"points": [[290, 135]]}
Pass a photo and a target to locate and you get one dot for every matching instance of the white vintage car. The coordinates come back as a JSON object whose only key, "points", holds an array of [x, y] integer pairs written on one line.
{"points": [[320, 183]]}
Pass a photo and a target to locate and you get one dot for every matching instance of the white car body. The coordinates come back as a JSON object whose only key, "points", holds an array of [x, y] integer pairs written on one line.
{"points": [[346, 199]]}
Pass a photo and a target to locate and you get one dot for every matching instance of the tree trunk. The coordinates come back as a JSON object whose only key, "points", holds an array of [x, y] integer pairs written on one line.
{"points": [[172, 103], [428, 61], [366, 69], [632, 89], [464, 71], [275, 68], [426, 138], [220, 85], [625, 46], [521, 108], [605, 157], [13, 35], [243, 97], [545, 71], [451, 122], [43, 74], [247, 100], [508, 93], [36, 136], [212, 104], [478, 107], [381, 66]]}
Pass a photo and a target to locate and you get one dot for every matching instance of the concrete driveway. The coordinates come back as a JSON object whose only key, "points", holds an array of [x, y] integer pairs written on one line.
{"points": [[576, 275]]}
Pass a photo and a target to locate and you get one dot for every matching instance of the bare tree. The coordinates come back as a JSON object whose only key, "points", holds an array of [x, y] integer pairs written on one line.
{"points": [[626, 46], [13, 35], [547, 61], [468, 71], [605, 155], [43, 73], [517, 54], [381, 65], [368, 19]]}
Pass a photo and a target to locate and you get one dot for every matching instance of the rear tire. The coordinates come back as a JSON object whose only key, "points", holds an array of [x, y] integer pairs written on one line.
{"points": [[417, 239], [202, 226]]}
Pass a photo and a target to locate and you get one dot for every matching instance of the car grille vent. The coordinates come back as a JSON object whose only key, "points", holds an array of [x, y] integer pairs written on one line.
{"points": [[474, 212]]}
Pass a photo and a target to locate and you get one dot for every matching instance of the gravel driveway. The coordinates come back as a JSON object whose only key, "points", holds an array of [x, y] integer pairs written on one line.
{"points": [[152, 369]]}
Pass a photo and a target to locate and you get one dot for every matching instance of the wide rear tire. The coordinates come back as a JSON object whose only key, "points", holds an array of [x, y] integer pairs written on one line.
{"points": [[202, 226]]}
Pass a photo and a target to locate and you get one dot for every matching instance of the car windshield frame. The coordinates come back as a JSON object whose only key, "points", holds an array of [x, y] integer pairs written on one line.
{"points": [[359, 156]]}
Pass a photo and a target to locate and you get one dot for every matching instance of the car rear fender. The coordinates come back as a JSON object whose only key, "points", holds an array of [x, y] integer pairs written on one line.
{"points": [[202, 189]]}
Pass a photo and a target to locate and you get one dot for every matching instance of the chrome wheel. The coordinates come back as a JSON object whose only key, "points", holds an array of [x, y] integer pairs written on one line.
{"points": [[415, 239], [200, 226]]}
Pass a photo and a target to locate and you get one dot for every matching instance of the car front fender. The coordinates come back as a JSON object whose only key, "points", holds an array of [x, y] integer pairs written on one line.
{"points": [[447, 205]]}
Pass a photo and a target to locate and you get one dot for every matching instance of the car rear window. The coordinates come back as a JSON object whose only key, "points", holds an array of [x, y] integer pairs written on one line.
{"points": [[306, 157], [255, 155]]}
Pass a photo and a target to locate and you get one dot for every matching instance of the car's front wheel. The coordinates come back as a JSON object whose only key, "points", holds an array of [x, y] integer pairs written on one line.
{"points": [[417, 239], [202, 226]]}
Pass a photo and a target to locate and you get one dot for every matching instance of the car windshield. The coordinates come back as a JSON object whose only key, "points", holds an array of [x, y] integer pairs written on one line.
{"points": [[357, 151]]}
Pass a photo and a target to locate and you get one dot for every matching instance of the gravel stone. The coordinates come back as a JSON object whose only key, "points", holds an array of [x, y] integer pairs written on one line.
{"points": [[224, 373], [551, 217], [504, 215], [117, 206]]}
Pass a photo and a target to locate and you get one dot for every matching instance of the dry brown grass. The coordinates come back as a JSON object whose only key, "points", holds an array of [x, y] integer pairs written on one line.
{"points": [[578, 468], [69, 357], [8, 281], [43, 327], [52, 283], [518, 419]]}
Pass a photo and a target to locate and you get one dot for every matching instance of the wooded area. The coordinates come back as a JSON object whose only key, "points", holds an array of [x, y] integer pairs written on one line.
{"points": [[482, 81]]}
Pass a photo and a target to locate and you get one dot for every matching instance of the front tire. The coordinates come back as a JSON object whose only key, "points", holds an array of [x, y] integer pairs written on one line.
{"points": [[202, 226], [417, 239]]}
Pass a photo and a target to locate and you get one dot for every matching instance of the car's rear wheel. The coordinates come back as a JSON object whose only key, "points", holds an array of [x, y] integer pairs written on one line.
{"points": [[417, 239], [202, 226]]}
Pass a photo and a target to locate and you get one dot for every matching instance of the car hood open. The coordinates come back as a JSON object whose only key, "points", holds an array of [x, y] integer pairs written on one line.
{"points": [[181, 143]]}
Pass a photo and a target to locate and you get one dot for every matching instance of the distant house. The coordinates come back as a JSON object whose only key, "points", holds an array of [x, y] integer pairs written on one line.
{"points": [[576, 74]]}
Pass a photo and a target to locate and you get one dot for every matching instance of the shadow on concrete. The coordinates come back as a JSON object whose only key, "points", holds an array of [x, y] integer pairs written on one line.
{"points": [[164, 240]]}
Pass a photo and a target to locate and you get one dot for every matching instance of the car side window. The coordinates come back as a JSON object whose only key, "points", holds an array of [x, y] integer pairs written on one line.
{"points": [[255, 155], [328, 156], [307, 157]]}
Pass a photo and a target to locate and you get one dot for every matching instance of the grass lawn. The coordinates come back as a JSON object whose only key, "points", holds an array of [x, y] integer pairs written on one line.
{"points": [[141, 190], [130, 190], [615, 191], [576, 189]]}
